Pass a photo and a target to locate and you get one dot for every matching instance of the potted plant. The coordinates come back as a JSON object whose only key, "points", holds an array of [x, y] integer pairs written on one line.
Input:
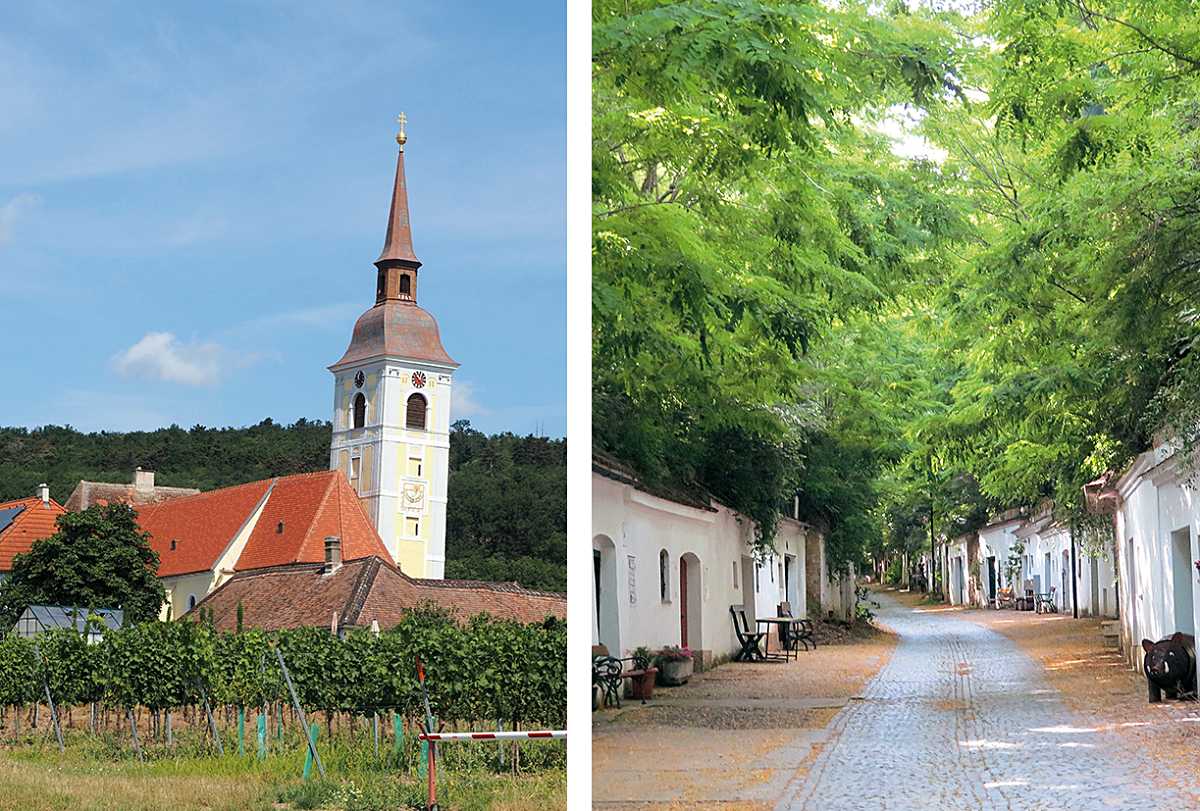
{"points": [[642, 685], [674, 665]]}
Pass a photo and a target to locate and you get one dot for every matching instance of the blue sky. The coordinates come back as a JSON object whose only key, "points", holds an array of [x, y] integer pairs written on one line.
{"points": [[191, 197]]}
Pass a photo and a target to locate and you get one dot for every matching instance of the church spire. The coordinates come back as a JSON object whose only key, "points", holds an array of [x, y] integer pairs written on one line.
{"points": [[397, 278]]}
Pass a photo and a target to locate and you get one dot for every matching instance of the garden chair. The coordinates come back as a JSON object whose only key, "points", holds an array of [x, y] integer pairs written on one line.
{"points": [[606, 674], [798, 633], [748, 639]]}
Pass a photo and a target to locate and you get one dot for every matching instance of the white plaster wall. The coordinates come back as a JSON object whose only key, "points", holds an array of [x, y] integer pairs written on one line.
{"points": [[640, 525], [996, 540], [1154, 502]]}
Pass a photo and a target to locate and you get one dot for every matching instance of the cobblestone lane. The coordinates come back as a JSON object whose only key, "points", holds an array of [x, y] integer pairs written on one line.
{"points": [[960, 718]]}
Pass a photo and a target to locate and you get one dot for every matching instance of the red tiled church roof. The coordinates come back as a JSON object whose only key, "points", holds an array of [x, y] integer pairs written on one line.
{"points": [[201, 526], [361, 592], [36, 521], [298, 513], [310, 507]]}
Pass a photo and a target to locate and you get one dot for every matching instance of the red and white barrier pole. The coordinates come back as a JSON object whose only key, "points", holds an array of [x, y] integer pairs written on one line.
{"points": [[492, 736]]}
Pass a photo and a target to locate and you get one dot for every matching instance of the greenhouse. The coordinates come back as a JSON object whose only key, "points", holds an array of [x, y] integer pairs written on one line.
{"points": [[38, 619]]}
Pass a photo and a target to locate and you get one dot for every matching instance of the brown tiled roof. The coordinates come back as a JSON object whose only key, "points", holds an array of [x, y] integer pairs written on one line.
{"points": [[88, 493], [361, 592], [300, 511], [36, 521]]}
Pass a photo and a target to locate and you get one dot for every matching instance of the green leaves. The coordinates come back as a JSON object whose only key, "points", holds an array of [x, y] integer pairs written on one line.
{"points": [[483, 671]]}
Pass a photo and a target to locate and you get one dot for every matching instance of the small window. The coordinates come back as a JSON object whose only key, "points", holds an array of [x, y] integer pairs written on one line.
{"points": [[664, 576], [173, 543], [412, 527], [191, 601], [735, 577], [414, 467], [405, 285], [757, 569], [279, 528], [360, 410], [416, 412], [355, 469]]}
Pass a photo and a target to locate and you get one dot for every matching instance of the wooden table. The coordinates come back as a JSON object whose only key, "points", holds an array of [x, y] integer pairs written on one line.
{"points": [[767, 639]]}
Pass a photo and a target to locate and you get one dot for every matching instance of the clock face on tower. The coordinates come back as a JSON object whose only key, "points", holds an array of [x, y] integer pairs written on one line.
{"points": [[359, 379], [418, 380]]}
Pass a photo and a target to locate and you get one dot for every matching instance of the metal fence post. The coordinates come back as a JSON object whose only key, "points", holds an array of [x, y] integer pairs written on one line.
{"points": [[312, 744]]}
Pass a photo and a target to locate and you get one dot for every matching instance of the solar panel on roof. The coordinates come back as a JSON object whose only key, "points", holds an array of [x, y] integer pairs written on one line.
{"points": [[8, 515]]}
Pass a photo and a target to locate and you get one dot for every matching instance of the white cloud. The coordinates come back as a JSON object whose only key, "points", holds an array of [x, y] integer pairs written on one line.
{"points": [[162, 356], [463, 403], [10, 211]]}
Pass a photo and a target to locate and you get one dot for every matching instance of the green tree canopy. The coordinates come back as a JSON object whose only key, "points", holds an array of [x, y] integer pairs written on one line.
{"points": [[99, 558]]}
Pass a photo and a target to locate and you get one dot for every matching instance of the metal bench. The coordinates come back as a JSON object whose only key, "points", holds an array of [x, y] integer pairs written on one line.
{"points": [[609, 674]]}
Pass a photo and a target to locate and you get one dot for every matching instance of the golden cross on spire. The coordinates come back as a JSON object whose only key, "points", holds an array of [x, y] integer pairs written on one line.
{"points": [[401, 119]]}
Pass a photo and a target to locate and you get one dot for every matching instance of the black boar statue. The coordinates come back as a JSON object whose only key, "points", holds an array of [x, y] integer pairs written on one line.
{"points": [[1170, 666]]}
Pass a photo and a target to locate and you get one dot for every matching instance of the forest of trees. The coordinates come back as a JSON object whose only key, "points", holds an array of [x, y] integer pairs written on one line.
{"points": [[506, 514], [908, 260]]}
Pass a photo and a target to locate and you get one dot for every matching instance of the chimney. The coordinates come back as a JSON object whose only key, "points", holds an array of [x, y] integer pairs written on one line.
{"points": [[333, 554], [143, 480], [43, 492]]}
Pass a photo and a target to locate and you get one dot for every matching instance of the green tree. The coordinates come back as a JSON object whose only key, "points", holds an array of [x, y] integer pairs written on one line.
{"points": [[98, 558]]}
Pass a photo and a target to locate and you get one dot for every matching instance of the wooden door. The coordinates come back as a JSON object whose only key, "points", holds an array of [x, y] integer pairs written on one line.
{"points": [[683, 598]]}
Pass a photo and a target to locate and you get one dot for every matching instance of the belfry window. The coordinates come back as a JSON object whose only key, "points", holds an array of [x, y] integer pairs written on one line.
{"points": [[415, 417], [406, 286], [360, 410]]}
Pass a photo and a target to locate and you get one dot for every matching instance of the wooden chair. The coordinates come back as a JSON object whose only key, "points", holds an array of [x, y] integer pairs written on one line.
{"points": [[798, 633], [748, 639]]}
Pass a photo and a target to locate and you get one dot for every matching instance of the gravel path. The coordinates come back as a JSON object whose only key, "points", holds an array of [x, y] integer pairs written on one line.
{"points": [[960, 718]]}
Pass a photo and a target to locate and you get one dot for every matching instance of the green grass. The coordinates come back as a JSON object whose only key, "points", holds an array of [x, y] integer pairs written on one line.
{"points": [[101, 774]]}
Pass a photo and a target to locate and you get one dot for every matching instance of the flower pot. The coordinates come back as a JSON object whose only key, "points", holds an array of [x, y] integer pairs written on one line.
{"points": [[676, 672], [642, 686]]}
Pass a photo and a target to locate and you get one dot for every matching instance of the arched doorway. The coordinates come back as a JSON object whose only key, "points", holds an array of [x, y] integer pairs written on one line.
{"points": [[691, 599], [606, 622]]}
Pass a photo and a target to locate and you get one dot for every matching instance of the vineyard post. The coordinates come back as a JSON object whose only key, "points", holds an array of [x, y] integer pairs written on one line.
{"points": [[397, 735], [313, 730], [241, 731], [170, 732], [212, 721], [311, 739], [375, 731], [54, 717], [137, 746], [261, 726], [49, 699]]}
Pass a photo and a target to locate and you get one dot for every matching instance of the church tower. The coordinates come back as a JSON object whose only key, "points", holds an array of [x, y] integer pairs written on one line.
{"points": [[391, 405]]}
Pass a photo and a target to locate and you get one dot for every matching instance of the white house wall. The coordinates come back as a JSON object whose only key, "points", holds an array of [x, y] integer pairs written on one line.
{"points": [[1154, 506], [632, 526]]}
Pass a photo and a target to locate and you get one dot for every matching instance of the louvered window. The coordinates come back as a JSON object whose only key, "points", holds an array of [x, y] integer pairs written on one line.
{"points": [[416, 412]]}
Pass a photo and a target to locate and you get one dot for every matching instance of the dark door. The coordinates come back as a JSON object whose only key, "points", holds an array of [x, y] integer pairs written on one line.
{"points": [[991, 578], [683, 595], [596, 575]]}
